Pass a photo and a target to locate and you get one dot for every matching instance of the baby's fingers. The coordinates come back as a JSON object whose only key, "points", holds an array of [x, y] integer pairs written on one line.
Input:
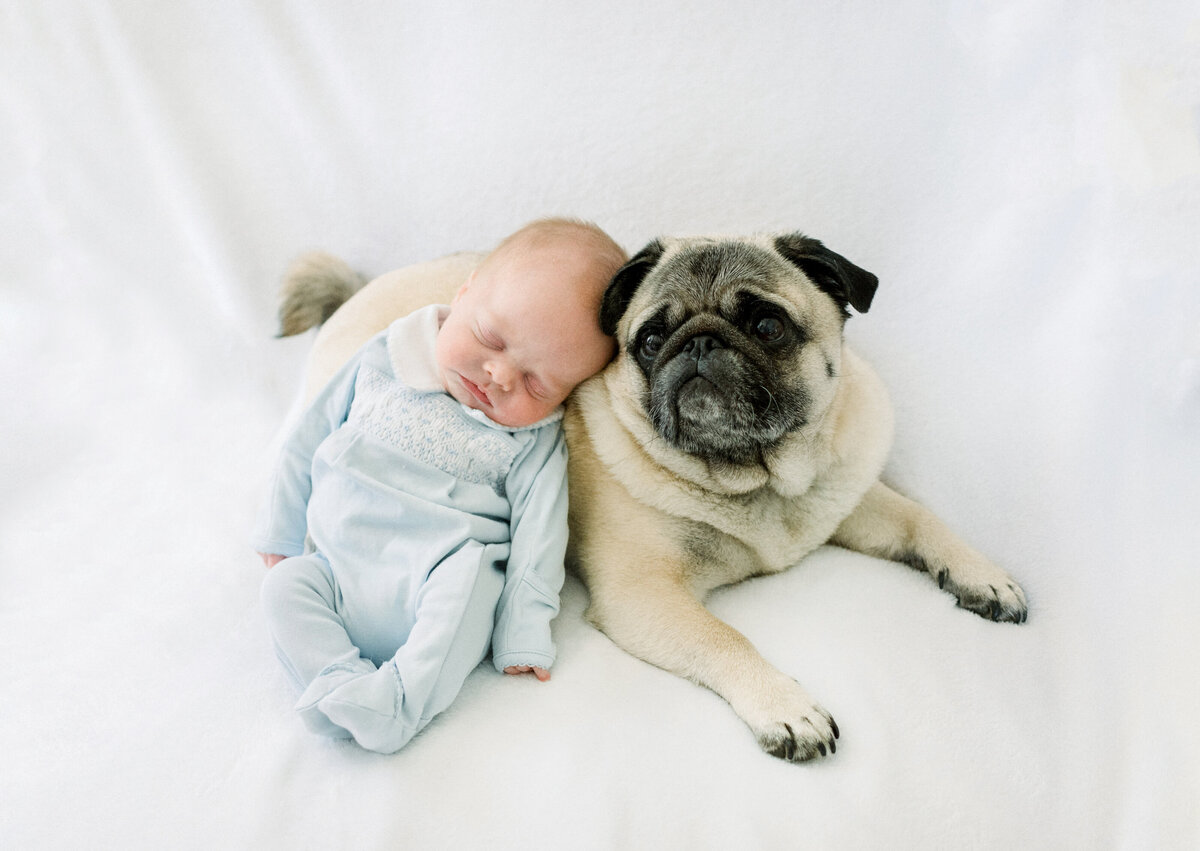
{"points": [[541, 673]]}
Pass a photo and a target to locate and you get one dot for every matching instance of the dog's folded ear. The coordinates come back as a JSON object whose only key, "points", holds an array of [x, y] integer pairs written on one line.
{"points": [[625, 283], [845, 283]]}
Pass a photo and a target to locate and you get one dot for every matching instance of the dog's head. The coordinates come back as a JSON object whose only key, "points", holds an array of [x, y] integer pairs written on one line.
{"points": [[728, 345]]}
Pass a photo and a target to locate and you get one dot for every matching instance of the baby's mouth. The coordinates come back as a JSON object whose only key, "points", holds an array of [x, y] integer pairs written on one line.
{"points": [[475, 390]]}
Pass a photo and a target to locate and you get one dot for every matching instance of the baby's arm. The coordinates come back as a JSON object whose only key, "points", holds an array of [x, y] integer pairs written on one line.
{"points": [[537, 486], [282, 524]]}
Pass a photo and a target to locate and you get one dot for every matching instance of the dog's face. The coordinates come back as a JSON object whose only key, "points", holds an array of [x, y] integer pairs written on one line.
{"points": [[728, 345]]}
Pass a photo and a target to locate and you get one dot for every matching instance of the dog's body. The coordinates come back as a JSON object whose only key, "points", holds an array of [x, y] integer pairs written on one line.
{"points": [[732, 435]]}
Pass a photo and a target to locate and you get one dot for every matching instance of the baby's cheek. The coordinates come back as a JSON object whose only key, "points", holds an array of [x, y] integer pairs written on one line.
{"points": [[526, 411]]}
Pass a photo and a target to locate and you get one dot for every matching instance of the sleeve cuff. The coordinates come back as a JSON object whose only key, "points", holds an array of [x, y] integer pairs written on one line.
{"points": [[276, 547], [521, 657]]}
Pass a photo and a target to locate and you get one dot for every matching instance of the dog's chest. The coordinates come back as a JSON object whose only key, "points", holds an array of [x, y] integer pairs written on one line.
{"points": [[751, 537], [780, 530], [775, 531]]}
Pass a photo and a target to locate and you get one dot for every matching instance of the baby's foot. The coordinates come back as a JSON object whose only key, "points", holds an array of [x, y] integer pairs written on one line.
{"points": [[369, 707], [329, 680]]}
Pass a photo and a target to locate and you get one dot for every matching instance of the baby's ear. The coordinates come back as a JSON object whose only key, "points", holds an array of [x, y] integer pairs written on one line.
{"points": [[463, 288]]}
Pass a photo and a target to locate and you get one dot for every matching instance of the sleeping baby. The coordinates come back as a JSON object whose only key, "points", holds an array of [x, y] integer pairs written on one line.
{"points": [[430, 476]]}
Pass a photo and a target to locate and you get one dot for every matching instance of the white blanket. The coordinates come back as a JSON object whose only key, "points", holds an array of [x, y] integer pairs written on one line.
{"points": [[1023, 177]]}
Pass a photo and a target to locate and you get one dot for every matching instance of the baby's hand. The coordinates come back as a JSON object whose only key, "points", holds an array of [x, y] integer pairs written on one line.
{"points": [[271, 559], [541, 673]]}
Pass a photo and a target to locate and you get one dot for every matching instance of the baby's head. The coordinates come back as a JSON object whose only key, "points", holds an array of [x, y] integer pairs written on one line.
{"points": [[524, 330]]}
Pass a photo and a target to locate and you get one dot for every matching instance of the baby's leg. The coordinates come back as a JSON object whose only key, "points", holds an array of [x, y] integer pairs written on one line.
{"points": [[451, 636], [299, 599]]}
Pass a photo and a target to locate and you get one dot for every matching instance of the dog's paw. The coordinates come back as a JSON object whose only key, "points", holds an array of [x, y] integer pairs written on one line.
{"points": [[792, 726], [980, 587], [1003, 602]]}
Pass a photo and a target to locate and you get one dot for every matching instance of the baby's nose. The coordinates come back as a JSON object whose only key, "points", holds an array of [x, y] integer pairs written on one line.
{"points": [[501, 374]]}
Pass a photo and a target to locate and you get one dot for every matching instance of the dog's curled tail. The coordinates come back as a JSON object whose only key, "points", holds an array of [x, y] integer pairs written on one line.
{"points": [[314, 287]]}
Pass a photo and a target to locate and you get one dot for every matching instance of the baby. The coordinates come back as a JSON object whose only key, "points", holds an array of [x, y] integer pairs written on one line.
{"points": [[430, 475]]}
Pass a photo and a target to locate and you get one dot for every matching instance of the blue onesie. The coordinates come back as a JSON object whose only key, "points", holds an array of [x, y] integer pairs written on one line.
{"points": [[436, 533]]}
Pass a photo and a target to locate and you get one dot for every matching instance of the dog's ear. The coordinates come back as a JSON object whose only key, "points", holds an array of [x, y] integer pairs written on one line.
{"points": [[625, 283], [845, 283]]}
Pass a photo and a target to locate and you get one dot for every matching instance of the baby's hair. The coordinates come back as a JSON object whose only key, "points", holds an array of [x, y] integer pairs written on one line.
{"points": [[609, 256]]}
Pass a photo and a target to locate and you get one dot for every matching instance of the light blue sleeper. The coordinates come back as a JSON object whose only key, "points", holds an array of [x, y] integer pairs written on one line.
{"points": [[436, 532]]}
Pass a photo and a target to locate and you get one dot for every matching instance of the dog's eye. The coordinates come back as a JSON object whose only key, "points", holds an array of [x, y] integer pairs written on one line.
{"points": [[769, 329], [651, 345]]}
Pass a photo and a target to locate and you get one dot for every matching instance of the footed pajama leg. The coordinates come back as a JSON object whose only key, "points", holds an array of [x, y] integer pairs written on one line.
{"points": [[451, 636], [299, 599]]}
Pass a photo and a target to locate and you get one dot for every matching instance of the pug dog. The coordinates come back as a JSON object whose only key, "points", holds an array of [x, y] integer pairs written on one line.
{"points": [[733, 434]]}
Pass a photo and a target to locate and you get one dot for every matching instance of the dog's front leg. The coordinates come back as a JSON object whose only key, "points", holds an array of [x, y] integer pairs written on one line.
{"points": [[659, 620], [888, 525]]}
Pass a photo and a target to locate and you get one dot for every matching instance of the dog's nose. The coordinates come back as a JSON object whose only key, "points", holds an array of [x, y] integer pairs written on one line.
{"points": [[702, 344]]}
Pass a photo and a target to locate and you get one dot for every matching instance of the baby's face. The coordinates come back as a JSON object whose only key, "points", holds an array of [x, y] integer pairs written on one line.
{"points": [[517, 341]]}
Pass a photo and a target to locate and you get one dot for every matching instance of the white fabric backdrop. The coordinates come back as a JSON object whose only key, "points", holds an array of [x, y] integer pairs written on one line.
{"points": [[1024, 177]]}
